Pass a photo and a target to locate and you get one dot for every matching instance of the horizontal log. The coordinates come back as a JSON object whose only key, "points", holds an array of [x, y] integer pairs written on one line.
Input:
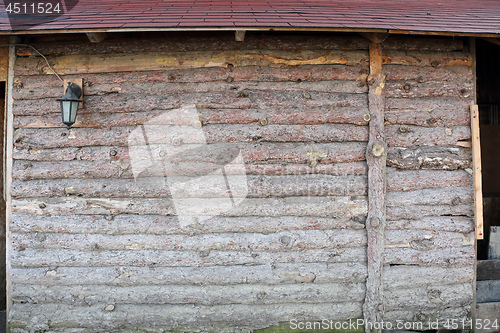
{"points": [[304, 293], [434, 59], [408, 136], [441, 196], [286, 241], [336, 207], [435, 297], [446, 257], [187, 317], [426, 239], [417, 43], [415, 212], [127, 89], [435, 118], [147, 258], [167, 225], [428, 73], [430, 157], [255, 99], [266, 274], [445, 223], [411, 180], [223, 41], [147, 61], [165, 134], [428, 104], [414, 89], [428, 319], [158, 187], [405, 276], [288, 116]]}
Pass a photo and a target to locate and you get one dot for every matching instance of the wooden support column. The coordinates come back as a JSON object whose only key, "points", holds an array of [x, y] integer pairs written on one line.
{"points": [[376, 155]]}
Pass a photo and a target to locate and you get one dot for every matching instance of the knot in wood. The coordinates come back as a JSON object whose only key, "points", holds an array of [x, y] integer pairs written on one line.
{"points": [[378, 150], [307, 95], [176, 141], [375, 222], [263, 121], [229, 79], [406, 87], [243, 94], [197, 124], [403, 129]]}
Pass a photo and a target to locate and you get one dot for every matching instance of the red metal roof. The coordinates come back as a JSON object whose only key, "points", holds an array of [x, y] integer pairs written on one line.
{"points": [[455, 16]]}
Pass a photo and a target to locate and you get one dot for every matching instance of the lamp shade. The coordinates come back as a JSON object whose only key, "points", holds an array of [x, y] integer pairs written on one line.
{"points": [[69, 103]]}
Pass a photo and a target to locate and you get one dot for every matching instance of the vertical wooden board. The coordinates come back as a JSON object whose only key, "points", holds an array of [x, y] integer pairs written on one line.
{"points": [[494, 245], [4, 63], [476, 162]]}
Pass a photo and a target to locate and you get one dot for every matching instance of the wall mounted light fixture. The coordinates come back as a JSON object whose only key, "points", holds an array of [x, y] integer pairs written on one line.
{"points": [[70, 102]]}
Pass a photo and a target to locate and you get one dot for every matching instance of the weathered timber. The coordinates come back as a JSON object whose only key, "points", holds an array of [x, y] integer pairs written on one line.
{"points": [[449, 157], [416, 212], [424, 74], [199, 295], [296, 240], [266, 274], [146, 61], [433, 59], [408, 136], [96, 37], [489, 311], [288, 116], [411, 180], [159, 87], [426, 239], [403, 276], [335, 207], [431, 297], [488, 291], [395, 42], [148, 258], [157, 187], [165, 134], [144, 317], [477, 172], [376, 160], [447, 257], [442, 223], [435, 118], [428, 104], [166, 225], [218, 100], [430, 196], [420, 319], [414, 89], [488, 270]]}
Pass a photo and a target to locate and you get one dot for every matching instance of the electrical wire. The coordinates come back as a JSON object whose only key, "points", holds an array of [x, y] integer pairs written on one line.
{"points": [[34, 49]]}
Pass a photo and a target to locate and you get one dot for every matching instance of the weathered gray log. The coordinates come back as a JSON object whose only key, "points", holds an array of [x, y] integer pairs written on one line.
{"points": [[433, 59], [408, 136], [440, 196], [304, 293], [445, 223], [424, 74], [189, 317], [334, 207], [234, 100], [410, 180], [416, 212], [376, 160], [285, 241], [147, 258], [414, 89], [435, 118], [430, 157], [428, 319], [428, 104], [404, 276], [426, 239], [166, 225], [266, 274], [431, 297], [157, 187], [446, 257]]}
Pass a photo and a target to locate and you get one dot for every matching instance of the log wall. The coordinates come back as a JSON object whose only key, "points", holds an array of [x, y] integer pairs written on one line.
{"points": [[94, 247]]}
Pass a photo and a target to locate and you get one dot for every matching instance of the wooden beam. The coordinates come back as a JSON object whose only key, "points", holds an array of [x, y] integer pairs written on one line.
{"points": [[376, 156], [96, 37], [375, 37], [476, 164], [495, 41], [239, 35]]}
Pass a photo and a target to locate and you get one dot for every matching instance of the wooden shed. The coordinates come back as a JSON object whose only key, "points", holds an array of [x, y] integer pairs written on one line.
{"points": [[251, 166]]}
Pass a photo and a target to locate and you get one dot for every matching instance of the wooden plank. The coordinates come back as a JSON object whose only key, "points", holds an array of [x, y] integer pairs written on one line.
{"points": [[494, 243], [488, 291], [404, 276], [488, 270], [376, 161], [476, 163]]}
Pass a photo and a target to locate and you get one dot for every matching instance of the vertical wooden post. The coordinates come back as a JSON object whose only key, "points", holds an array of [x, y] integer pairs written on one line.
{"points": [[477, 172], [376, 159]]}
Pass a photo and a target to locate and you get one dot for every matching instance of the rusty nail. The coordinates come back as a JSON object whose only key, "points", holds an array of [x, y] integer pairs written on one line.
{"points": [[378, 150], [263, 121], [367, 117]]}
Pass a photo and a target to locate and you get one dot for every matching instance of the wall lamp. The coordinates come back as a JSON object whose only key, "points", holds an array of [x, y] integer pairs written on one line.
{"points": [[70, 102]]}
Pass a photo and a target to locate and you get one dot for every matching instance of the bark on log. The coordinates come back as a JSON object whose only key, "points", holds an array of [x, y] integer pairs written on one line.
{"points": [[402, 276], [436, 118], [411, 180], [423, 74], [426, 239], [446, 257], [430, 157], [415, 212], [426, 316], [413, 89], [441, 196], [408, 136], [442, 223]]}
